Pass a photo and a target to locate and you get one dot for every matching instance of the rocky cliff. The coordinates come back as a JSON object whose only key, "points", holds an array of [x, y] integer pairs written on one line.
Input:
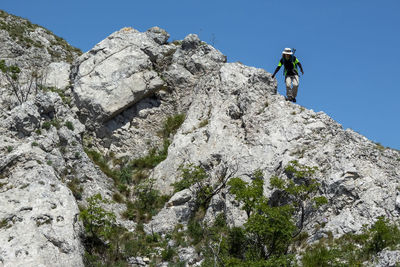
{"points": [[94, 123]]}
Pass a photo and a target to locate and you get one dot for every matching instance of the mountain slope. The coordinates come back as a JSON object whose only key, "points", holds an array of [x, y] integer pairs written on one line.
{"points": [[23, 41], [134, 115]]}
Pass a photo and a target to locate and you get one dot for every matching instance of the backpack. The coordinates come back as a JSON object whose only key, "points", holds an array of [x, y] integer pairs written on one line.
{"points": [[291, 60]]}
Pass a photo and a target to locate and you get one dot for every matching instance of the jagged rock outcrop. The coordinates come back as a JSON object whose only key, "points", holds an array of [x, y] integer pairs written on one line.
{"points": [[123, 90], [42, 157], [43, 58], [130, 82], [235, 120], [249, 127], [26, 44], [39, 213]]}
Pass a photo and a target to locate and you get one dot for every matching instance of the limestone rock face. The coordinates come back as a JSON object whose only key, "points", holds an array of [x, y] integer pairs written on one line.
{"points": [[57, 75], [39, 216], [123, 91], [39, 158], [115, 74], [43, 58], [129, 83], [237, 121], [30, 45]]}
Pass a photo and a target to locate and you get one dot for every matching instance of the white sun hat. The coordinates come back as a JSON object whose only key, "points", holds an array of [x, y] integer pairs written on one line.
{"points": [[287, 51]]}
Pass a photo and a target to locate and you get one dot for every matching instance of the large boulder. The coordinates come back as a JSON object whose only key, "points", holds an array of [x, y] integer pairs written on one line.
{"points": [[114, 75]]}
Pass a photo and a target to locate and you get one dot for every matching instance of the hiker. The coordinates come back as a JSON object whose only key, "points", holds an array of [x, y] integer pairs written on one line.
{"points": [[290, 62]]}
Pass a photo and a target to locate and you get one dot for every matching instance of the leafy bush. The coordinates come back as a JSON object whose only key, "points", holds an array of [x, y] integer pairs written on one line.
{"points": [[55, 122], [69, 125], [191, 175], [152, 159], [354, 249], [168, 253], [299, 190], [97, 221], [75, 186], [172, 124], [269, 230], [147, 203], [117, 197], [249, 195], [34, 144]]}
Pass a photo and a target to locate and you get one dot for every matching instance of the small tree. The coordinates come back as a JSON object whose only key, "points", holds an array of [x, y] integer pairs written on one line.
{"points": [[268, 231], [22, 86], [249, 195], [299, 190], [97, 221]]}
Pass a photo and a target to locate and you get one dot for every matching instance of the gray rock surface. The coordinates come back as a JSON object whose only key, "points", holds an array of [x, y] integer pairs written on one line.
{"points": [[114, 75], [128, 84], [39, 214], [387, 258], [42, 57], [124, 89], [249, 127], [57, 75], [27, 44]]}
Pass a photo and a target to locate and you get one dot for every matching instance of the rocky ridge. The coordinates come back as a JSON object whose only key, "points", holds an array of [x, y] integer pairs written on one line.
{"points": [[122, 91]]}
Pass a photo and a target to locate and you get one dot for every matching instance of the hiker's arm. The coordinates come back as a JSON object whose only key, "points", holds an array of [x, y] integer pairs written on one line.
{"points": [[301, 68], [276, 71], [298, 63], [277, 68]]}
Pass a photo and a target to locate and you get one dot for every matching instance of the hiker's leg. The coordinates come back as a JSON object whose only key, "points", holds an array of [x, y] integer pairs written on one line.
{"points": [[288, 82], [295, 80]]}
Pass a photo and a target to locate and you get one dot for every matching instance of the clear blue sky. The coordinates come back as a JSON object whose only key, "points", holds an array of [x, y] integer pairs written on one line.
{"points": [[350, 49]]}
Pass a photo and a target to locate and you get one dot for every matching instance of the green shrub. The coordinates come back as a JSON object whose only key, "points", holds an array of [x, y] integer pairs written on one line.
{"points": [[172, 124], [203, 123], [75, 186], [9, 149], [100, 161], [354, 249], [46, 125], [382, 234], [152, 159], [195, 231], [4, 223], [117, 197], [299, 190], [179, 236], [191, 175], [237, 242], [69, 125], [147, 203], [249, 195], [168, 253], [270, 229], [55, 122], [97, 221]]}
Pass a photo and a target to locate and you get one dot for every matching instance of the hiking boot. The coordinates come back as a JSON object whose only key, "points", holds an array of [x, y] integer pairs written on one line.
{"points": [[294, 100]]}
